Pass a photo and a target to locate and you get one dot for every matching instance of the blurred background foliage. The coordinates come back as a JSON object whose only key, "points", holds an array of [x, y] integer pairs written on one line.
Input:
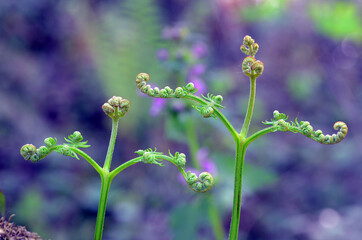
{"points": [[61, 60]]}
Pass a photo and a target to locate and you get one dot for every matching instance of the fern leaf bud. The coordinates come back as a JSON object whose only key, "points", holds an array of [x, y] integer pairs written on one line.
{"points": [[258, 68], [49, 142], [43, 151], [163, 93], [276, 114], [207, 111], [142, 77], [179, 92], [108, 109], [27, 151], [244, 50], [181, 160], [254, 49], [247, 41], [190, 87], [218, 99], [202, 183]]}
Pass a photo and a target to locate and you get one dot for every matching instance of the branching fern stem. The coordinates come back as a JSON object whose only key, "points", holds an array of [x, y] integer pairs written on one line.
{"points": [[251, 103], [89, 159], [221, 116], [258, 134]]}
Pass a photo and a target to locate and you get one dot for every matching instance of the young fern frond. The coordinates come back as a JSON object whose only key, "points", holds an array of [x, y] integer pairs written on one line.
{"points": [[206, 105], [74, 141], [201, 183], [304, 127]]}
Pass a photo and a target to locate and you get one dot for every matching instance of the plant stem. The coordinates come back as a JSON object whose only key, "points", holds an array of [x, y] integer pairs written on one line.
{"points": [[106, 183], [88, 158], [215, 218], [239, 164], [251, 103], [112, 141]]}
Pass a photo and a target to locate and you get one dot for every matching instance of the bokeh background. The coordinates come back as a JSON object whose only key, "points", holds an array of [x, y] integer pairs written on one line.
{"points": [[61, 60]]}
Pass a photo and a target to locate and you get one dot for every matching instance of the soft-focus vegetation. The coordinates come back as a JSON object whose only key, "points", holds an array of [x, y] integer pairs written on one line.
{"points": [[61, 60]]}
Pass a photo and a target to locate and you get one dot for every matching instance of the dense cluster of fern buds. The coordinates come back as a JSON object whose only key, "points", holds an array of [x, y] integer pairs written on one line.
{"points": [[116, 107], [250, 66]]}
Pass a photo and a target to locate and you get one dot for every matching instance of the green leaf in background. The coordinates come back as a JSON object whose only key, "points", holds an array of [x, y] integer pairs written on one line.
{"points": [[257, 177], [186, 219], [337, 20], [264, 11], [2, 203], [175, 129], [303, 85]]}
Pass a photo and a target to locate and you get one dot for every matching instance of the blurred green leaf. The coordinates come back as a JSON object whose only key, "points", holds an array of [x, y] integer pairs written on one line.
{"points": [[184, 221], [257, 177], [264, 11], [303, 85], [175, 129], [337, 20], [2, 203]]}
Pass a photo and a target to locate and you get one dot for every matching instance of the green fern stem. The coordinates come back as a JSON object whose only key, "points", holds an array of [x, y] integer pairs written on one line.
{"points": [[112, 141], [106, 183], [238, 181], [249, 113]]}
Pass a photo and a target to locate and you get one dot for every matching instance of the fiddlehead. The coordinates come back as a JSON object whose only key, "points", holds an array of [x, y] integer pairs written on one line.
{"points": [[116, 107], [30, 152], [304, 127], [250, 66], [166, 92], [202, 183], [206, 109]]}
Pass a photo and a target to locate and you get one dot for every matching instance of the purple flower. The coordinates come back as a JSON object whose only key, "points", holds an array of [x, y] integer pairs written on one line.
{"points": [[206, 164], [157, 105], [163, 54], [199, 50], [197, 69]]}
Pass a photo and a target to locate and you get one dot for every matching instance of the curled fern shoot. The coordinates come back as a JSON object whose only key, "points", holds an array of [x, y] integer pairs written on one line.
{"points": [[250, 66], [201, 183], [304, 127], [116, 107], [166, 92], [74, 141]]}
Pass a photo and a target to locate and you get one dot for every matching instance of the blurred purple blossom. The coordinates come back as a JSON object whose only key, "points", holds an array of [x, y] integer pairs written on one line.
{"points": [[157, 105], [205, 162], [163, 54], [199, 84], [199, 50], [197, 69], [174, 33]]}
